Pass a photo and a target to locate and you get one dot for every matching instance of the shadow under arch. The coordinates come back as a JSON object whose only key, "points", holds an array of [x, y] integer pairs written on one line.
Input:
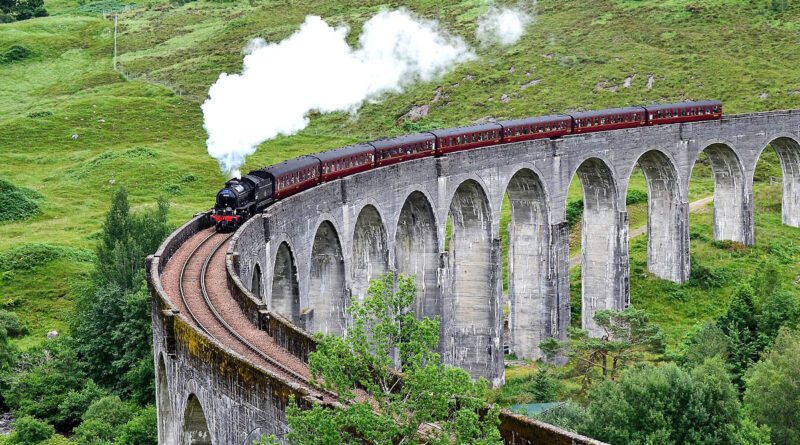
{"points": [[370, 251], [667, 229], [533, 310], [255, 285], [195, 426], [788, 151], [166, 419], [285, 291], [603, 244], [417, 252], [472, 264], [730, 213], [326, 286]]}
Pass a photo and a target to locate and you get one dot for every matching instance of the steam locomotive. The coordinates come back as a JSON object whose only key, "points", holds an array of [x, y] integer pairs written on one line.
{"points": [[251, 194]]}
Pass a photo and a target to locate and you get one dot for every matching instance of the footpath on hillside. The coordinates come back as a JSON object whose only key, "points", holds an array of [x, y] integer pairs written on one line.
{"points": [[641, 230]]}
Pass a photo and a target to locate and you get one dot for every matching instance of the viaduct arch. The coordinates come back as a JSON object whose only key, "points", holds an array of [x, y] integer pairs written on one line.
{"points": [[316, 251]]}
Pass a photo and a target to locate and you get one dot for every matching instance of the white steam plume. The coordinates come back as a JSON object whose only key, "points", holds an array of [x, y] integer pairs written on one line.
{"points": [[502, 25], [316, 70]]}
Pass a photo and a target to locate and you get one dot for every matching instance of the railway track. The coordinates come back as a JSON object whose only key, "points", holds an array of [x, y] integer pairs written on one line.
{"points": [[218, 327]]}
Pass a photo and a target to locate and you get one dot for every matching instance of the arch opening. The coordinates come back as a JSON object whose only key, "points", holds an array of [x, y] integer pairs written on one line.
{"points": [[472, 258], [602, 243], [533, 312], [729, 194], [370, 251], [166, 420], [326, 287], [417, 253], [667, 231], [195, 426], [788, 153], [285, 291], [255, 285]]}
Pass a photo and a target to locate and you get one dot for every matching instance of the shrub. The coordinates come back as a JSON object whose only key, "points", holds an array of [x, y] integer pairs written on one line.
{"points": [[17, 203], [141, 430], [705, 277], [10, 321], [635, 196], [31, 431], [15, 53], [574, 211]]}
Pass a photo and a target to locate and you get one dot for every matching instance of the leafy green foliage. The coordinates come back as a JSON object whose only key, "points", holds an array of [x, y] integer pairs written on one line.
{"points": [[666, 405], [10, 322], [627, 336], [772, 396], [127, 239], [16, 203], [31, 431], [141, 429], [574, 211], [112, 332], [385, 341], [109, 420], [47, 377], [635, 196], [23, 9]]}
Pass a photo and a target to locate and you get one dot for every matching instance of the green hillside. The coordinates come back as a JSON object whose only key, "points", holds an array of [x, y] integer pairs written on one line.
{"points": [[72, 129]]}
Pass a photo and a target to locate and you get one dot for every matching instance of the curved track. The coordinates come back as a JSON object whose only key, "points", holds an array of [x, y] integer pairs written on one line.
{"points": [[213, 310]]}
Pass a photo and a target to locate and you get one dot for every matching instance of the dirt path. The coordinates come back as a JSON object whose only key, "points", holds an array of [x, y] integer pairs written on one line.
{"points": [[641, 230]]}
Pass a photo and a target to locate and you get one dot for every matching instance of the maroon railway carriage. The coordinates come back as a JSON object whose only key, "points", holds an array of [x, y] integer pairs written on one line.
{"points": [[684, 112], [465, 138], [403, 148], [294, 175], [345, 161], [536, 128], [611, 119]]}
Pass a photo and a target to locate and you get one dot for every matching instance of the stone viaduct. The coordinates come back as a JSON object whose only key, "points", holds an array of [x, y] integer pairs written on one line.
{"points": [[306, 257]]}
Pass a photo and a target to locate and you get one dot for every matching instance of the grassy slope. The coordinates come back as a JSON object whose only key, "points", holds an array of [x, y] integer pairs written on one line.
{"points": [[141, 135]]}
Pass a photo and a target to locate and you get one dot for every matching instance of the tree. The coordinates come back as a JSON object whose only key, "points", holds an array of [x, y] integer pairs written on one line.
{"points": [[772, 394], [704, 341], [127, 239], [433, 403], [627, 336], [669, 405], [111, 330]]}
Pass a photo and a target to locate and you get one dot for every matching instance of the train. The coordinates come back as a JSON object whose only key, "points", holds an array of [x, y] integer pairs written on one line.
{"points": [[252, 193]]}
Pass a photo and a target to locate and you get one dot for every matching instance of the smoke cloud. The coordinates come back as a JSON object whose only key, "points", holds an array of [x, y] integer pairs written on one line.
{"points": [[504, 26], [316, 70]]}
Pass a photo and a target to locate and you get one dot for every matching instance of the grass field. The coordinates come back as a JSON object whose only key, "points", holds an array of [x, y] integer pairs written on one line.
{"points": [[72, 129]]}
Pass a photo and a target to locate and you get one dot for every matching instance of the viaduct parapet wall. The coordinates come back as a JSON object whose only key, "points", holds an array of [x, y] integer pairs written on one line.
{"points": [[294, 268]]}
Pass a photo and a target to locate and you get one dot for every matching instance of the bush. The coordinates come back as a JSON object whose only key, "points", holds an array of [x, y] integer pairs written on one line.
{"points": [[17, 203], [635, 196], [72, 409], [103, 420], [10, 321], [15, 53], [141, 430], [570, 416], [574, 211], [705, 277], [31, 431]]}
